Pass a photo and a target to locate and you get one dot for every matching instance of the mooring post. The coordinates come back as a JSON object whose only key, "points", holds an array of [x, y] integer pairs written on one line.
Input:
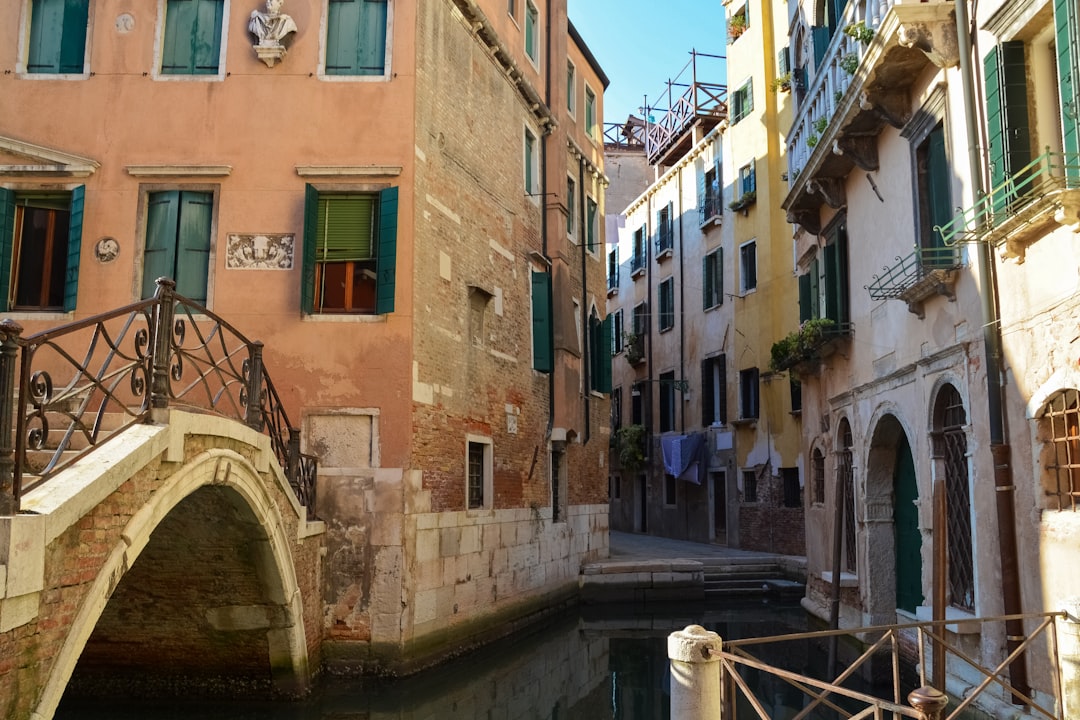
{"points": [[930, 702], [694, 653], [9, 357]]}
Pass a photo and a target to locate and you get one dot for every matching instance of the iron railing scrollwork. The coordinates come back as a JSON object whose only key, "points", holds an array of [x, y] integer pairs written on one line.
{"points": [[79, 384]]}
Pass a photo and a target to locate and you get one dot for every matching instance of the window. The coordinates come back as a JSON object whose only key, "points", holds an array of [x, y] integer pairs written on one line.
{"points": [[1006, 117], [571, 88], [616, 487], [640, 330], [670, 495], [543, 355], [1059, 427], [817, 477], [933, 174], [478, 461], [617, 332], [356, 41], [637, 262], [532, 32], [748, 394], [532, 164], [511, 8], [616, 408], [795, 391], [792, 488], [747, 180], [714, 391], [748, 266], [749, 480], [40, 242], [350, 252], [665, 231], [178, 226], [667, 401], [951, 449], [192, 37], [600, 352], [613, 269], [742, 101], [591, 225], [590, 112], [571, 203], [823, 289], [713, 280], [709, 193], [667, 304], [57, 42]]}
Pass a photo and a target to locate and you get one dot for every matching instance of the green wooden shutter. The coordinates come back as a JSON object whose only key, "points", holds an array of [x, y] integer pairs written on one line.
{"points": [[820, 37], [602, 381], [937, 186], [7, 243], [699, 168], [720, 275], [1067, 43], [193, 245], [543, 358], [1006, 119], [706, 282], [75, 226], [721, 393], [530, 31], [371, 47], [815, 289], [73, 45], [836, 281], [206, 38], [342, 36], [783, 61], [804, 298], [307, 271], [162, 221], [707, 415], [591, 220], [57, 42], [387, 259], [176, 54]]}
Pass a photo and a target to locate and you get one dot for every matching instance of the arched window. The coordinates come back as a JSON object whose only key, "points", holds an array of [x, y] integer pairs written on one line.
{"points": [[950, 449], [1060, 431]]}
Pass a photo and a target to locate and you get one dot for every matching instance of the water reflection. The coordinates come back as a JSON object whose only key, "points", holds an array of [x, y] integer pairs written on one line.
{"points": [[604, 662]]}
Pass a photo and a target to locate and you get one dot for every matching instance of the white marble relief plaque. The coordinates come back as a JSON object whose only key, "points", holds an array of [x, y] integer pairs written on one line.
{"points": [[265, 251]]}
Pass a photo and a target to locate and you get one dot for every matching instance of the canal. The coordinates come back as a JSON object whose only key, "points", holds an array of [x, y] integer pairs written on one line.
{"points": [[600, 662]]}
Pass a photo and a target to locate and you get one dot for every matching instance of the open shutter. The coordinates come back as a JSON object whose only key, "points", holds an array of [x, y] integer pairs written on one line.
{"points": [[937, 186], [7, 244], [387, 259], [836, 291], [814, 310], [602, 382], [707, 282], [193, 245], [820, 36], [311, 229], [543, 358], [832, 309], [721, 390], [71, 275], [804, 298], [720, 275], [159, 258], [73, 42], [1006, 119], [707, 409], [1067, 43]]}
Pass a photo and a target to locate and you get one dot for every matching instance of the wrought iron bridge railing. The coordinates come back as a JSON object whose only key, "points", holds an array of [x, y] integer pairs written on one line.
{"points": [[935, 653], [65, 391]]}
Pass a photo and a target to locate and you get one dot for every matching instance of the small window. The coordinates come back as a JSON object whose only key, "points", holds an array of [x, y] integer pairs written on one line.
{"points": [[532, 32], [714, 390], [571, 204], [617, 332], [479, 468], [742, 101], [511, 8], [637, 403], [350, 252], [665, 230], [616, 487], [1059, 427], [57, 42], [747, 179], [40, 242], [711, 194], [356, 37], [670, 496], [748, 393], [667, 304], [571, 88], [792, 488], [817, 469], [592, 225], [713, 280], [178, 227], [600, 352], [795, 389], [616, 408], [667, 401], [532, 164], [192, 37], [750, 494], [613, 269], [590, 112], [637, 262], [748, 266]]}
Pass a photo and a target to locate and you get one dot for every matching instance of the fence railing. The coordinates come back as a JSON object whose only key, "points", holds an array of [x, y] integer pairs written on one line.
{"points": [[684, 100], [79, 384], [936, 656], [910, 269]]}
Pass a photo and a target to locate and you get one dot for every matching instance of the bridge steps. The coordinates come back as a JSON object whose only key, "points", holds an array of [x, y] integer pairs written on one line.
{"points": [[737, 577]]}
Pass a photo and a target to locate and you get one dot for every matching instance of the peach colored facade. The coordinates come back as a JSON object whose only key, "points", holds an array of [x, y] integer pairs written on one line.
{"points": [[392, 403]]}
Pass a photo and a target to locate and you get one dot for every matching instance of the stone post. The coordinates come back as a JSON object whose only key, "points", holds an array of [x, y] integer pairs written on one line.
{"points": [[930, 702], [253, 391], [9, 358], [695, 673]]}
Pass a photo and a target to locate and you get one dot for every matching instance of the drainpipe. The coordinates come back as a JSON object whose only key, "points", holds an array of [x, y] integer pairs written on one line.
{"points": [[999, 449]]}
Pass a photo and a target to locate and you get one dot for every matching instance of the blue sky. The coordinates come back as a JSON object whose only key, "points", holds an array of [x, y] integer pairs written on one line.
{"points": [[641, 44]]}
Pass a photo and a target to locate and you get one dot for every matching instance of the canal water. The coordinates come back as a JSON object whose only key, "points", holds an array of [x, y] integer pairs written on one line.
{"points": [[600, 662]]}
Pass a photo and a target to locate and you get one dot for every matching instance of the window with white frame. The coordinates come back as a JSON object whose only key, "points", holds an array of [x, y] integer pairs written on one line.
{"points": [[56, 43], [532, 32], [667, 304], [357, 42], [748, 393], [713, 279], [742, 101], [191, 37], [714, 390], [40, 241], [590, 112], [478, 464], [592, 225], [748, 266], [571, 205], [747, 181], [667, 401], [571, 88], [617, 332], [532, 164], [613, 269]]}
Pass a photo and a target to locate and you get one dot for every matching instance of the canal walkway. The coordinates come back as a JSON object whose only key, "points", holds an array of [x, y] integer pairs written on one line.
{"points": [[645, 568]]}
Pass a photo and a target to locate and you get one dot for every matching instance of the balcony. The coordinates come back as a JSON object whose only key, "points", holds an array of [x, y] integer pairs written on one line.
{"points": [[860, 84], [1015, 213], [711, 207], [803, 350], [918, 277], [629, 135], [637, 264], [665, 241], [686, 103]]}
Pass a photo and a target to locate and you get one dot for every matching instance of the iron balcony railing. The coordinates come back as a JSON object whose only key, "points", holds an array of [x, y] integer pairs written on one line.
{"points": [[613, 279], [637, 261], [936, 656], [912, 269], [1045, 174], [665, 238], [711, 206], [79, 384]]}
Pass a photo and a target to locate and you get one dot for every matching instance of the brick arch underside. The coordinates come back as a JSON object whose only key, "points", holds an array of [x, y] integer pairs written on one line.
{"points": [[206, 602]]}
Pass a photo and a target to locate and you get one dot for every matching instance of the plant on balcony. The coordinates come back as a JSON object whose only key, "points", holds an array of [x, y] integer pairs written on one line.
{"points": [[630, 445], [801, 345], [781, 83], [821, 123], [858, 31], [837, 94], [812, 141], [849, 63], [634, 345], [736, 26], [748, 198]]}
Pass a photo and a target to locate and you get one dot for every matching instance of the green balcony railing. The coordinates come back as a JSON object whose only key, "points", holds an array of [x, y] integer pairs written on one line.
{"points": [[909, 271], [1045, 174]]}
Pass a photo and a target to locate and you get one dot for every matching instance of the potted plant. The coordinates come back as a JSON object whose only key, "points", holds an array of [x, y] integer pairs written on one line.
{"points": [[782, 83], [747, 199], [812, 141], [630, 446], [801, 345], [849, 63], [821, 123], [635, 347], [860, 32], [736, 26]]}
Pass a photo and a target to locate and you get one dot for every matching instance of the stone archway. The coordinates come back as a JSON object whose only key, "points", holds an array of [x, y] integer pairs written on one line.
{"points": [[217, 481]]}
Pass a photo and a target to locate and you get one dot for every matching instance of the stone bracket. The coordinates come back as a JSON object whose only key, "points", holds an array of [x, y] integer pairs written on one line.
{"points": [[892, 107], [860, 149], [829, 188], [809, 219], [936, 39]]}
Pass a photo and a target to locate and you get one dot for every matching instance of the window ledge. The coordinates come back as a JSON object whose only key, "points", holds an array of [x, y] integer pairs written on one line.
{"points": [[179, 170], [664, 254], [49, 315], [343, 318], [714, 220], [744, 422], [966, 623], [348, 170], [637, 273], [612, 291], [847, 579]]}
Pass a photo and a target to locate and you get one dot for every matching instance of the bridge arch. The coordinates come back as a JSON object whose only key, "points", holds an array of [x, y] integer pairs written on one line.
{"points": [[218, 475]]}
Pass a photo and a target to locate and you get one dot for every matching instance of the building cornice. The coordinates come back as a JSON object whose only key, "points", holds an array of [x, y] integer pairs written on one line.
{"points": [[178, 170]]}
